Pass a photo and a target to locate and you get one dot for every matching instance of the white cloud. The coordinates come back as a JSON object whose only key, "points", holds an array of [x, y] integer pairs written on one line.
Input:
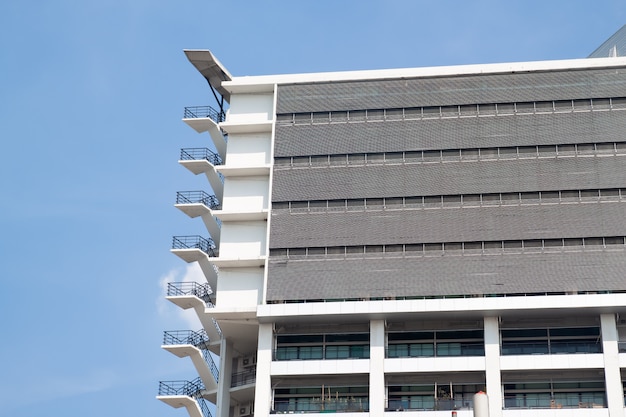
{"points": [[189, 319]]}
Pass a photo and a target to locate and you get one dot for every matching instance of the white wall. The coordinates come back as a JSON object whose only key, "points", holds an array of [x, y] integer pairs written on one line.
{"points": [[239, 287], [245, 194], [250, 108], [251, 149], [242, 240]]}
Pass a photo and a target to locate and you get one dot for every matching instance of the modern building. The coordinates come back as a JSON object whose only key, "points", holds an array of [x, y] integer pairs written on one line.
{"points": [[393, 241]]}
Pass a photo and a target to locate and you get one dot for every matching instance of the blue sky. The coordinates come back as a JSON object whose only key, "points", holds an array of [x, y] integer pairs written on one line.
{"points": [[92, 93]]}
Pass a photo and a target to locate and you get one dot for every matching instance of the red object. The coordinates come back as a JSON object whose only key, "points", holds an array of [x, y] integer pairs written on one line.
{"points": [[454, 414]]}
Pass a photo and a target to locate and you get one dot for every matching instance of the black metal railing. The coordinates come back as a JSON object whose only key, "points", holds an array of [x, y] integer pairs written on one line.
{"points": [[202, 291], [196, 154], [197, 112], [208, 358], [204, 407], [195, 242], [198, 338], [243, 378], [191, 389], [194, 197]]}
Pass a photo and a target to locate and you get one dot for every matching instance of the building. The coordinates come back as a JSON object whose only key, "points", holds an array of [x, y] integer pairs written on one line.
{"points": [[398, 240]]}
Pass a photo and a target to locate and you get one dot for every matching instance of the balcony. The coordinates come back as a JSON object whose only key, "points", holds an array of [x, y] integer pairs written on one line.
{"points": [[200, 154], [204, 161], [187, 388], [206, 119], [197, 197], [186, 394], [246, 377], [203, 112], [194, 242], [179, 342], [193, 289], [198, 338]]}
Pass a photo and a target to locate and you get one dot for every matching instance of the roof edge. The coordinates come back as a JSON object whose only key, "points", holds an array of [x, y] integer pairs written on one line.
{"points": [[211, 69], [257, 83]]}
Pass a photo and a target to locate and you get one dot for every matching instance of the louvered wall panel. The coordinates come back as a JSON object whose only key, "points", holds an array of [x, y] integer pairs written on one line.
{"points": [[469, 89], [445, 275], [446, 225], [452, 133], [449, 178]]}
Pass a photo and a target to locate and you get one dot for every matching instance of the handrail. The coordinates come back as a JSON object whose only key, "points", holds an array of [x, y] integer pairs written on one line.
{"points": [[198, 338], [203, 112], [204, 407], [208, 358], [195, 242], [192, 389], [194, 197], [189, 388], [195, 154], [202, 291], [563, 400], [243, 378], [550, 348]]}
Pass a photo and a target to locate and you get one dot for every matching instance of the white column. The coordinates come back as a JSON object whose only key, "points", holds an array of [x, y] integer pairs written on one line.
{"points": [[263, 392], [223, 386], [612, 377], [492, 366], [377, 369]]}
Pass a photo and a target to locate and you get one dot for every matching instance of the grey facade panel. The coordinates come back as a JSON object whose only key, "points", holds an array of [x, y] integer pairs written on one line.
{"points": [[437, 91], [433, 276], [446, 225], [449, 178], [450, 133]]}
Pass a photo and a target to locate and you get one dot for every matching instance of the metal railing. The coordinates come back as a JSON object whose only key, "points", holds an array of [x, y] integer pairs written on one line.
{"points": [[441, 349], [202, 291], [315, 405], [288, 353], [198, 338], [243, 378], [195, 242], [561, 400], [203, 112], [429, 403], [204, 407], [208, 358], [191, 389], [196, 154], [194, 197], [552, 348]]}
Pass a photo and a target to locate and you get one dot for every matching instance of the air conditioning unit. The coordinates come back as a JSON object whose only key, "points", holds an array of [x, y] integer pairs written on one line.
{"points": [[247, 361], [244, 410]]}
